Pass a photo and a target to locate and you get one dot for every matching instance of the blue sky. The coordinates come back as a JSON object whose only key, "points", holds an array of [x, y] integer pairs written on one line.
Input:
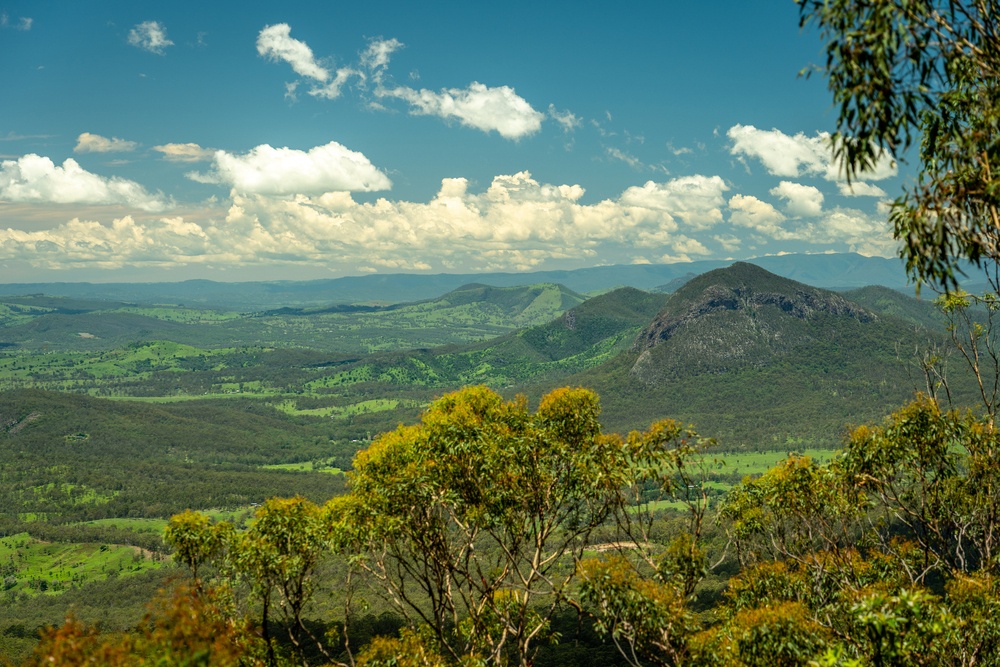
{"points": [[251, 140]]}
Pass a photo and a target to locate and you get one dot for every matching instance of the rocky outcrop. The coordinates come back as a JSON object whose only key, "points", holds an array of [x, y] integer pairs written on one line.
{"points": [[794, 300]]}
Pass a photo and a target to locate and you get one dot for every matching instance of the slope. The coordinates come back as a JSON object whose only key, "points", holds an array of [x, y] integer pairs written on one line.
{"points": [[761, 362], [470, 313]]}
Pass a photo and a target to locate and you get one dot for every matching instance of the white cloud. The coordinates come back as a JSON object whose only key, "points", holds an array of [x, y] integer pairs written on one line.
{"points": [[800, 200], [275, 42], [622, 156], [185, 152], [728, 243], [697, 200], [756, 215], [488, 109], [376, 57], [149, 36], [33, 178], [517, 223], [798, 155], [125, 242], [861, 189], [566, 118], [95, 143], [860, 232], [485, 108], [285, 171], [24, 23]]}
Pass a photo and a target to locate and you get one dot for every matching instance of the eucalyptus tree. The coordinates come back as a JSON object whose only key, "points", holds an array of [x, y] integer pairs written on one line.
{"points": [[928, 72], [475, 520]]}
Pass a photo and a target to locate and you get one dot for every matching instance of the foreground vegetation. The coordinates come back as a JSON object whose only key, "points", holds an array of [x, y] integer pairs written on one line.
{"points": [[484, 525]]}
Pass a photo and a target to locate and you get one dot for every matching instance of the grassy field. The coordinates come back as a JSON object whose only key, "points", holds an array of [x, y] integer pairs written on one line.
{"points": [[757, 463], [305, 466], [33, 567]]}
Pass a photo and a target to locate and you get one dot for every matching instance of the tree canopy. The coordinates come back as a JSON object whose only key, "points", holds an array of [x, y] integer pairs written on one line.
{"points": [[927, 71]]}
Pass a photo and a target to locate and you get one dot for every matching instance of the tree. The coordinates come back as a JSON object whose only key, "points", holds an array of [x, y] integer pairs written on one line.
{"points": [[890, 550], [274, 559], [187, 627], [474, 520], [929, 69]]}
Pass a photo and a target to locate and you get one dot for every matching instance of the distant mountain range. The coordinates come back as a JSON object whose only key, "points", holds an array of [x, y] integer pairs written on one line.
{"points": [[830, 271]]}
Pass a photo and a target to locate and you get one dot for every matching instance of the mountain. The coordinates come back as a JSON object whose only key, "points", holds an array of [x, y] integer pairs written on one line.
{"points": [[760, 361], [581, 337], [832, 271], [735, 317], [749, 357]]}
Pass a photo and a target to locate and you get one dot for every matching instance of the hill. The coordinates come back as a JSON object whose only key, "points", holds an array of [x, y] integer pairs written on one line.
{"points": [[760, 361], [920, 312], [469, 313]]}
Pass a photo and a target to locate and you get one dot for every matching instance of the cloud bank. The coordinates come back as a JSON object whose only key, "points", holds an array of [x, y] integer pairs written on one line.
{"points": [[515, 224]]}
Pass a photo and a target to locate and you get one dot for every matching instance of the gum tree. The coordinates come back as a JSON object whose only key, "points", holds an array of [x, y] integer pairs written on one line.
{"points": [[928, 72], [473, 521]]}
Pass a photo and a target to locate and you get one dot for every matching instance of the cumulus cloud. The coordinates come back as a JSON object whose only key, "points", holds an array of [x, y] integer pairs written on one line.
{"points": [[516, 223], [33, 178], [490, 109], [798, 155], [184, 152], [697, 200], [859, 231], [860, 189], [759, 216], [125, 242], [284, 171], [800, 200], [95, 143], [149, 36], [478, 106]]}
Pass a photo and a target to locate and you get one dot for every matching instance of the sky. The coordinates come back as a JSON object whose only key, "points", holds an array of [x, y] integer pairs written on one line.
{"points": [[234, 141]]}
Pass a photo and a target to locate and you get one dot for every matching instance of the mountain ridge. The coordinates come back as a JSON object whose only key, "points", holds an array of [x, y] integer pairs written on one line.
{"points": [[831, 271]]}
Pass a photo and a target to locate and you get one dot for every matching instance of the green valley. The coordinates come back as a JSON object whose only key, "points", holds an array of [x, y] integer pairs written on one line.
{"points": [[115, 417]]}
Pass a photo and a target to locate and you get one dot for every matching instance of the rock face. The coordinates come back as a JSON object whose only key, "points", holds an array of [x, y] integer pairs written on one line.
{"points": [[738, 316]]}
